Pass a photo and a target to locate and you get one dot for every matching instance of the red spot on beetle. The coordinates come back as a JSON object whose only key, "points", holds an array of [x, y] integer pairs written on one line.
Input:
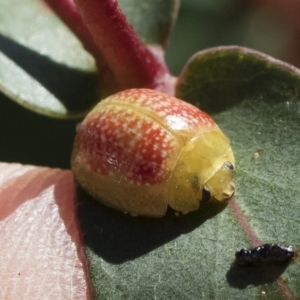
{"points": [[130, 135], [123, 143], [188, 116]]}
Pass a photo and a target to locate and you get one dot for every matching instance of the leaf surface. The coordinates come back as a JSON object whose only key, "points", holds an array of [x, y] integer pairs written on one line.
{"points": [[42, 65], [41, 256], [45, 68], [152, 20], [255, 100]]}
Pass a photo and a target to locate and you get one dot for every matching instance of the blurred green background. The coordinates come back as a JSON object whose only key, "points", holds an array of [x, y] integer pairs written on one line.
{"points": [[29, 138]]}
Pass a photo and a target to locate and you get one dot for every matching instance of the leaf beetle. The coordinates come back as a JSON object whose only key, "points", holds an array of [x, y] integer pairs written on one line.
{"points": [[140, 151]]}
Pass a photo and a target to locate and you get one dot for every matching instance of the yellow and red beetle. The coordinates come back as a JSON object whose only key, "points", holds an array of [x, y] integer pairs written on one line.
{"points": [[141, 150]]}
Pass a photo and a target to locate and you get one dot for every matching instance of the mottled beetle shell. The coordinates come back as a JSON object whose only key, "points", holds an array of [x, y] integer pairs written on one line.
{"points": [[141, 150]]}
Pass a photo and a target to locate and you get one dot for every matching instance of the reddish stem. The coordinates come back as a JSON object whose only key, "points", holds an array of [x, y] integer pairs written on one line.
{"points": [[67, 11], [131, 62]]}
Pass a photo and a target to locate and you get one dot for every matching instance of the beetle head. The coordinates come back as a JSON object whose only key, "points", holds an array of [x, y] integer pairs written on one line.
{"points": [[220, 186], [203, 172]]}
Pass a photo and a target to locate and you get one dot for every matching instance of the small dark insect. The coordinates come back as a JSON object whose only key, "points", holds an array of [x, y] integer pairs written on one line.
{"points": [[267, 253]]}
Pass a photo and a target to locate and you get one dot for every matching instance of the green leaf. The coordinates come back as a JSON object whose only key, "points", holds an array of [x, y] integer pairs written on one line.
{"points": [[152, 20], [218, 78], [191, 257], [42, 65]]}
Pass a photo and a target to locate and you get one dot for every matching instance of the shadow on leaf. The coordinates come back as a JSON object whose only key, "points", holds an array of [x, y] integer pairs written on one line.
{"points": [[243, 276], [77, 90], [117, 237]]}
